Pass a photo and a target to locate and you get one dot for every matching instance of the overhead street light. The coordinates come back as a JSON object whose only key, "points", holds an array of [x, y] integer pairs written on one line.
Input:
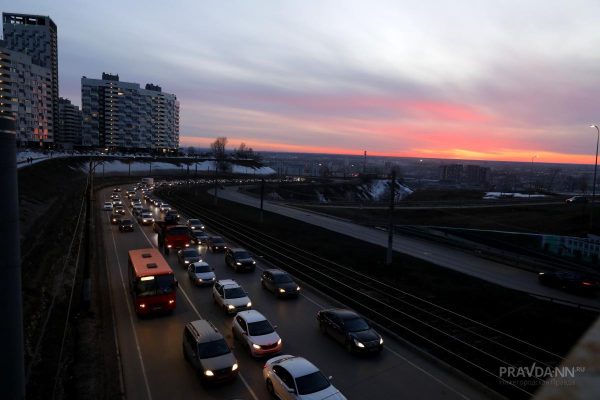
{"points": [[595, 168]]}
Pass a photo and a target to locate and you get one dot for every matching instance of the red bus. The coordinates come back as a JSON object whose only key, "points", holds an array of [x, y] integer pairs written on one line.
{"points": [[152, 282]]}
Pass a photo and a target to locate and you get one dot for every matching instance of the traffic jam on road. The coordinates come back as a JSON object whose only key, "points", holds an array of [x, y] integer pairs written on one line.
{"points": [[153, 287]]}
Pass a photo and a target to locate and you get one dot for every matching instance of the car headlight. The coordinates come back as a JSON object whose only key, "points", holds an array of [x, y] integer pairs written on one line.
{"points": [[380, 340], [281, 290], [257, 347], [298, 288], [234, 367], [230, 306], [278, 342], [238, 263], [359, 344], [186, 262], [199, 280], [253, 262], [187, 245], [208, 372], [249, 304]]}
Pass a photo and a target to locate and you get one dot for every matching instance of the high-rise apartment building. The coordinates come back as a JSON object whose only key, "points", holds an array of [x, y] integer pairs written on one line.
{"points": [[26, 94], [69, 122], [122, 115], [36, 36]]}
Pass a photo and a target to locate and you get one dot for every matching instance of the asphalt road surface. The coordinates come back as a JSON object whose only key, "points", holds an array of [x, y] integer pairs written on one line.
{"points": [[435, 253], [150, 348]]}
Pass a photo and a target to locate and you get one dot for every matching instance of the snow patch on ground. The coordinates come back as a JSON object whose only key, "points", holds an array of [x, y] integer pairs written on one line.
{"points": [[498, 195], [240, 169], [378, 189]]}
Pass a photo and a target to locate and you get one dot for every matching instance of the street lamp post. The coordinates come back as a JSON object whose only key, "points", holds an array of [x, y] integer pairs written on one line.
{"points": [[594, 183], [531, 175]]}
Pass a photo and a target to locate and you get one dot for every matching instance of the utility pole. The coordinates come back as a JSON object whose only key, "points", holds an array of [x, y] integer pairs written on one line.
{"points": [[262, 197], [216, 186], [390, 250], [11, 307]]}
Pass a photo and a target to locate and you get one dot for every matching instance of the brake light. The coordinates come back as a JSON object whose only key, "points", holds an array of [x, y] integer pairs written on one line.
{"points": [[142, 305], [587, 283], [171, 301]]}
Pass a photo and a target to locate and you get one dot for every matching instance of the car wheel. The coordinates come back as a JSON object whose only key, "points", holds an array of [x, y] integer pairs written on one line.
{"points": [[349, 347], [270, 388], [322, 328]]}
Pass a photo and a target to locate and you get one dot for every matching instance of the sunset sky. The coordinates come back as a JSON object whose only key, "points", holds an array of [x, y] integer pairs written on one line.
{"points": [[468, 79]]}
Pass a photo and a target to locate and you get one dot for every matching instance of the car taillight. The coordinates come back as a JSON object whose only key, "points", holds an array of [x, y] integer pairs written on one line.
{"points": [[587, 283], [142, 305]]}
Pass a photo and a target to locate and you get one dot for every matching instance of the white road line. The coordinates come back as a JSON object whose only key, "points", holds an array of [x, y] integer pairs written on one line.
{"points": [[200, 316], [441, 382], [135, 337]]}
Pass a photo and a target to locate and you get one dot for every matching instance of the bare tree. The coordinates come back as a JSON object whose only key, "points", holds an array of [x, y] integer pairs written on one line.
{"points": [[218, 150], [191, 151]]}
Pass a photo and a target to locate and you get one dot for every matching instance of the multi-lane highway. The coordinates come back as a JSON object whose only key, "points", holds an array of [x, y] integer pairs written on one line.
{"points": [[153, 366], [438, 254]]}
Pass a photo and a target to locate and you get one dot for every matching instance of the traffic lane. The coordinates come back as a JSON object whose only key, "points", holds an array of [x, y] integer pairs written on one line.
{"points": [[135, 380], [159, 339], [397, 371], [438, 254], [358, 376]]}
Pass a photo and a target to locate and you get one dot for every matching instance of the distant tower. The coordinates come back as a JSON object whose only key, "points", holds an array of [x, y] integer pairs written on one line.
{"points": [[365, 162], [36, 36]]}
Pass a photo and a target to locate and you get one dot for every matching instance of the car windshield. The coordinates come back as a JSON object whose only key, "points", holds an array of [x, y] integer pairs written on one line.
{"points": [[146, 215], [260, 328], [241, 254], [282, 278], [200, 234], [202, 268], [312, 383], [126, 221], [234, 293], [191, 253], [213, 349], [356, 325], [162, 284], [194, 222], [217, 239]]}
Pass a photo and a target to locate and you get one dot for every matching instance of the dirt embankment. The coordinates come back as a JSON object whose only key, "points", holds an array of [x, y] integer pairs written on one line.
{"points": [[64, 357]]}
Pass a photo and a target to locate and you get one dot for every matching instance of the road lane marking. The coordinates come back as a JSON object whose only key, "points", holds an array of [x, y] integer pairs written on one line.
{"points": [[441, 382], [135, 337], [199, 315]]}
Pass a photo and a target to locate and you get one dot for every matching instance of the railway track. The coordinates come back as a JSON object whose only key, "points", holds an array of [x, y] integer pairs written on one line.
{"points": [[479, 350]]}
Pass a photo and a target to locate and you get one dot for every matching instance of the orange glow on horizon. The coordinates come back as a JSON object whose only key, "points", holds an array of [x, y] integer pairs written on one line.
{"points": [[454, 153]]}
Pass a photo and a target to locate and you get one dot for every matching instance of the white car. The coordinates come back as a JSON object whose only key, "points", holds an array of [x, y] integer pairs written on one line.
{"points": [[145, 218], [230, 296], [164, 207], [257, 333], [295, 378], [108, 206], [200, 273]]}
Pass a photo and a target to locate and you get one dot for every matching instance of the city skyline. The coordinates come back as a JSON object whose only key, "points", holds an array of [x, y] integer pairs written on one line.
{"points": [[478, 80]]}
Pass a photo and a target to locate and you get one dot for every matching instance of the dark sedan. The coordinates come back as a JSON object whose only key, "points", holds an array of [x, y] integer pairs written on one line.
{"points": [[279, 282], [350, 329], [200, 237], [239, 259], [126, 225], [115, 218], [188, 256], [571, 281], [216, 243]]}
